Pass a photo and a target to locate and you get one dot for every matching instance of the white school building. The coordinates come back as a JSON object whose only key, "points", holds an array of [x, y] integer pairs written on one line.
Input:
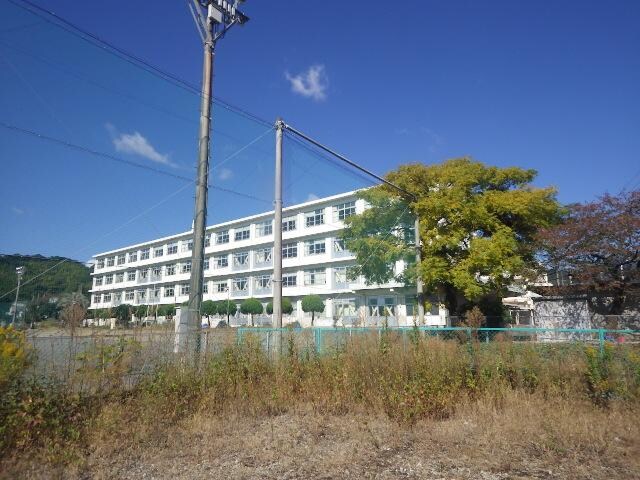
{"points": [[239, 265]]}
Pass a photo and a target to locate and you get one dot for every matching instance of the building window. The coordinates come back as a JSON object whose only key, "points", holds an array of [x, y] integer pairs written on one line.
{"points": [[338, 245], [241, 259], [289, 280], [111, 261], [290, 250], [185, 288], [120, 277], [156, 293], [316, 276], [340, 275], [185, 267], [157, 272], [263, 282], [221, 261], [144, 254], [240, 284], [242, 233], [170, 270], [128, 296], [187, 245], [172, 249], [222, 237], [97, 298], [221, 287], [108, 279], [133, 257], [106, 298], [131, 276], [98, 281], [264, 228], [289, 224], [314, 247], [117, 296], [158, 251], [169, 291], [142, 295], [205, 287], [314, 218], [205, 264], [100, 263], [143, 274], [263, 255], [344, 210], [121, 259], [207, 240]]}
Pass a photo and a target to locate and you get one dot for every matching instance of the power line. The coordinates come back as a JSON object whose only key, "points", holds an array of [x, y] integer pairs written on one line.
{"points": [[134, 218], [64, 24], [130, 163]]}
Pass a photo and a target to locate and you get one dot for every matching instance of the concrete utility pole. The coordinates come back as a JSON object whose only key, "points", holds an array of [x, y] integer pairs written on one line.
{"points": [[419, 286], [277, 231], [220, 17], [19, 273]]}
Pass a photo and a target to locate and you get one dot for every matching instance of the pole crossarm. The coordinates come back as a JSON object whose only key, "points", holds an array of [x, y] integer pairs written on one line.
{"points": [[347, 161]]}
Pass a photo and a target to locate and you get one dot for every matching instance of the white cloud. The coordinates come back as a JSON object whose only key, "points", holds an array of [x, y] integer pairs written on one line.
{"points": [[17, 211], [225, 174], [311, 84], [136, 144], [311, 197]]}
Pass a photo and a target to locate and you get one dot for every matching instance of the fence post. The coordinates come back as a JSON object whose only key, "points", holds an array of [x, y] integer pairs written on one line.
{"points": [[601, 340]]}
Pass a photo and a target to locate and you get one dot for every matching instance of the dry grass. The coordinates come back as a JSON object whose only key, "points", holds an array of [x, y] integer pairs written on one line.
{"points": [[379, 408]]}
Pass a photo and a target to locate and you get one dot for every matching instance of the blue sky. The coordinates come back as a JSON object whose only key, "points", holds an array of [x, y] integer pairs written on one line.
{"points": [[545, 85]]}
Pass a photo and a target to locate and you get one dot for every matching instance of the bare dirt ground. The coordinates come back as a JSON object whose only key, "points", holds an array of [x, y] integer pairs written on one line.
{"points": [[521, 440]]}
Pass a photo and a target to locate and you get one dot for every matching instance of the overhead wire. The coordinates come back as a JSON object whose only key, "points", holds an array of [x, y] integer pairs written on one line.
{"points": [[131, 220], [142, 166], [66, 25]]}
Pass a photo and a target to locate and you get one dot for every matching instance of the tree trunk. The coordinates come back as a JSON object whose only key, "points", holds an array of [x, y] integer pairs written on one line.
{"points": [[313, 314]]}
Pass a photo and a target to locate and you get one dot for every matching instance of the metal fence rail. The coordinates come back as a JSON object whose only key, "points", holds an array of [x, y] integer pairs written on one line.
{"points": [[92, 361]]}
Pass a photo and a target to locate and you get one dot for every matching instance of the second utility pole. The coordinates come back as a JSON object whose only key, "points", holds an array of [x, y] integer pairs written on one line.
{"points": [[200, 214]]}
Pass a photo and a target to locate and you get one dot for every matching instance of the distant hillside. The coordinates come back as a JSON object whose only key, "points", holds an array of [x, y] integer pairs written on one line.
{"points": [[63, 278]]}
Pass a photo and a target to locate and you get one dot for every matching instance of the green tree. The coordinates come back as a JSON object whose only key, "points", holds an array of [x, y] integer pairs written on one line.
{"points": [[122, 313], [141, 311], [226, 307], [209, 308], [251, 306], [313, 304], [287, 307], [167, 311], [477, 227]]}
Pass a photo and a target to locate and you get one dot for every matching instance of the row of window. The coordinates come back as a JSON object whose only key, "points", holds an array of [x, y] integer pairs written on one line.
{"points": [[265, 228], [262, 256], [315, 276]]}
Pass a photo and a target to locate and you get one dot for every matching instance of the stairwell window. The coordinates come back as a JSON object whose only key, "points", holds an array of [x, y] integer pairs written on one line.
{"points": [[240, 284], [314, 218]]}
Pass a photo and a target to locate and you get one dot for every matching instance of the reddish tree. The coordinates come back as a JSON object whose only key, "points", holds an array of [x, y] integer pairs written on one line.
{"points": [[598, 243]]}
